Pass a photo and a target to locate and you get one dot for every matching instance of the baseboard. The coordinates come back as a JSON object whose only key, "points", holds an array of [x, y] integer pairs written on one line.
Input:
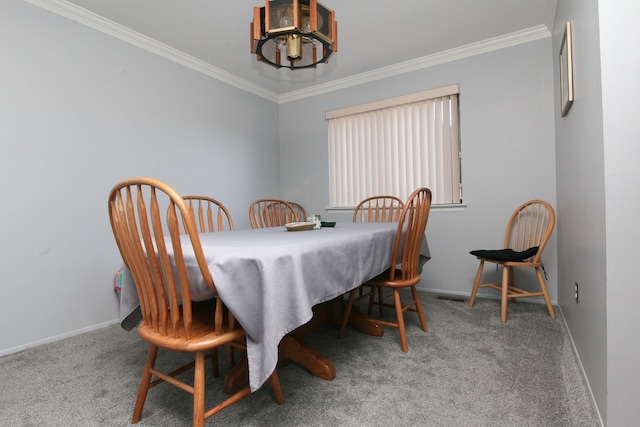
{"points": [[12, 350], [481, 294]]}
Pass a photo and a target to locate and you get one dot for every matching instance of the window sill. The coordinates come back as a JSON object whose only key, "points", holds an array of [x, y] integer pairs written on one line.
{"points": [[439, 208]]}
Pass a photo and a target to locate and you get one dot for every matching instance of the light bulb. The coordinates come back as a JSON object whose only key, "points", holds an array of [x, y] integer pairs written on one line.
{"points": [[306, 25], [286, 21]]}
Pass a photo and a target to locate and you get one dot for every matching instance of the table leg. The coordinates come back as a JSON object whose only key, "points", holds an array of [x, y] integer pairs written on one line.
{"points": [[293, 348], [238, 376], [362, 321], [331, 312]]}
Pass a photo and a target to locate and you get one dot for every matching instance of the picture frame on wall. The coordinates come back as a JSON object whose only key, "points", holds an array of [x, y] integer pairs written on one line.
{"points": [[566, 71]]}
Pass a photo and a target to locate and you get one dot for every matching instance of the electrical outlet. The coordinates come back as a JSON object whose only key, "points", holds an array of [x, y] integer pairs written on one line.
{"points": [[576, 292]]}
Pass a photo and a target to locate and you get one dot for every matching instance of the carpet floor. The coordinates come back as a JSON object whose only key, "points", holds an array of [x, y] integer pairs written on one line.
{"points": [[468, 370]]}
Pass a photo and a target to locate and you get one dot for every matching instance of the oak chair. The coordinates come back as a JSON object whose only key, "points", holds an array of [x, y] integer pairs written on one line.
{"points": [[527, 235], [404, 270], [299, 211], [377, 209], [265, 213], [146, 216], [210, 215]]}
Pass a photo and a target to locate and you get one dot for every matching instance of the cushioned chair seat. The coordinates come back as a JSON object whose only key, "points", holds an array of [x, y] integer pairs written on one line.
{"points": [[505, 254]]}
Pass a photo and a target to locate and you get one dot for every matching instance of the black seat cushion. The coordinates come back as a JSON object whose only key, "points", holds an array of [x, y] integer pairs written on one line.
{"points": [[505, 254]]}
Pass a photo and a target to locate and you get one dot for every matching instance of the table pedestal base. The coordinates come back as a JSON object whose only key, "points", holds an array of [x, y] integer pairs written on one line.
{"points": [[293, 348]]}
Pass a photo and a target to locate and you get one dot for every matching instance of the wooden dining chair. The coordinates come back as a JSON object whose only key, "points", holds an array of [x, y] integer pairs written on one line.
{"points": [[405, 267], [265, 213], [210, 215], [146, 216], [300, 212], [376, 209], [528, 232]]}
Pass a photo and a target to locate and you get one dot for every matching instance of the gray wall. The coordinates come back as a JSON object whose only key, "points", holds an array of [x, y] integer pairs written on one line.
{"points": [[621, 130], [79, 111], [581, 189], [506, 119], [598, 198]]}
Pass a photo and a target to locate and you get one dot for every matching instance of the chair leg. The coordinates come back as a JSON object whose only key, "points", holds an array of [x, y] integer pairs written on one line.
{"points": [[418, 305], [347, 312], [277, 390], [380, 299], [214, 362], [145, 382], [545, 294], [505, 292], [372, 298], [476, 284], [198, 391], [231, 357], [512, 279], [400, 319]]}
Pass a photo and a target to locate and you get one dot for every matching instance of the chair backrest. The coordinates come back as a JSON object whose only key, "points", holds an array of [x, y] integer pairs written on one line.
{"points": [[265, 213], [378, 209], [146, 216], [411, 227], [530, 225], [299, 211], [209, 214]]}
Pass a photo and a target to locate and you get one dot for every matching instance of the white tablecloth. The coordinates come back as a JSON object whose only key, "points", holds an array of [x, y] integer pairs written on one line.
{"points": [[271, 278]]}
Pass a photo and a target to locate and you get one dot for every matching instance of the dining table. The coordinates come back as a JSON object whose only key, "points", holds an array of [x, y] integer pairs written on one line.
{"points": [[273, 280]]}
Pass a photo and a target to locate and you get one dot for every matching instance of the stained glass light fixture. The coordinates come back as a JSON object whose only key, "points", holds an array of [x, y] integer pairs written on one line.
{"points": [[295, 34]]}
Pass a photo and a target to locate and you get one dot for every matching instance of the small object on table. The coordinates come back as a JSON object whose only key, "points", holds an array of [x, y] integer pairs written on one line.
{"points": [[327, 223], [316, 220], [300, 226]]}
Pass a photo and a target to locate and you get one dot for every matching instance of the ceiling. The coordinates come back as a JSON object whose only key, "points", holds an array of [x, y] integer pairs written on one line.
{"points": [[372, 34]]}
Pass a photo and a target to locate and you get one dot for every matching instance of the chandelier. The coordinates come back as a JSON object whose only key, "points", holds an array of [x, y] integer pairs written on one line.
{"points": [[302, 33]]}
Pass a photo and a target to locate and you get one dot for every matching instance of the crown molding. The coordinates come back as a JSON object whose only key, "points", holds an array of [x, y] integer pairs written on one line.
{"points": [[99, 23], [477, 48]]}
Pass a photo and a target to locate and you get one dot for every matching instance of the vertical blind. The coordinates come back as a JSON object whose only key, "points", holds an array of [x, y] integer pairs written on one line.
{"points": [[394, 146]]}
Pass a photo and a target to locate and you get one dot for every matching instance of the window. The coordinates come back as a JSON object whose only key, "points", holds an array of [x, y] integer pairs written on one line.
{"points": [[394, 146]]}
